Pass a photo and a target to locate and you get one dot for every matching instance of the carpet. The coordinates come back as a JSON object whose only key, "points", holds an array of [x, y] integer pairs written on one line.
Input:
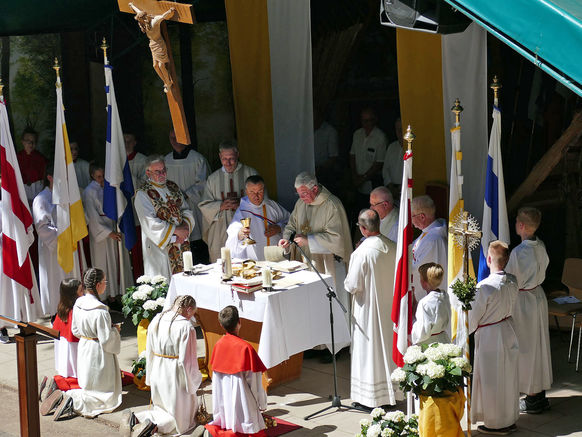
{"points": [[283, 427]]}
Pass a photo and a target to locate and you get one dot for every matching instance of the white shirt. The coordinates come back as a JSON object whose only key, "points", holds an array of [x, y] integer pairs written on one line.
{"points": [[367, 150], [325, 143], [393, 164]]}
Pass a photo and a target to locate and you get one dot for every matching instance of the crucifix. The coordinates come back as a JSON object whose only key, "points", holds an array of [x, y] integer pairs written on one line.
{"points": [[466, 236], [151, 16]]}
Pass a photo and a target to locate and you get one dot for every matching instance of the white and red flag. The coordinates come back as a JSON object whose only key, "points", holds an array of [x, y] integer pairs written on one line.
{"points": [[19, 294], [403, 293]]}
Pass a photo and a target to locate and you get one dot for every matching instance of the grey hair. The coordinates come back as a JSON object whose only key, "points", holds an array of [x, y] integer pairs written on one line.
{"points": [[423, 204], [370, 220], [154, 159], [227, 145], [305, 179], [384, 193]]}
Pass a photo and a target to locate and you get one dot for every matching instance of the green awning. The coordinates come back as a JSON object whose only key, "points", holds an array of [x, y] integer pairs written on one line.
{"points": [[547, 32]]}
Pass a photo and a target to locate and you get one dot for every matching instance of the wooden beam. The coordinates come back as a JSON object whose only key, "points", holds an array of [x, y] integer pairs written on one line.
{"points": [[545, 165], [184, 13]]}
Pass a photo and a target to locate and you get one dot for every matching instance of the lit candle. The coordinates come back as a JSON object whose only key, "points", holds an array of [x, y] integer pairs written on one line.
{"points": [[226, 263], [267, 277], [187, 259]]}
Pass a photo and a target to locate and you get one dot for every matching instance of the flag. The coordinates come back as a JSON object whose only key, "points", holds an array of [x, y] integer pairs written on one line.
{"points": [[118, 189], [71, 225], [403, 294], [17, 235], [495, 222], [455, 263]]}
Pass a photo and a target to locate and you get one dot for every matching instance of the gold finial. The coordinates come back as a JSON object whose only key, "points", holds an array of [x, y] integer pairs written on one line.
{"points": [[409, 138], [104, 47], [457, 109], [495, 86], [56, 67]]}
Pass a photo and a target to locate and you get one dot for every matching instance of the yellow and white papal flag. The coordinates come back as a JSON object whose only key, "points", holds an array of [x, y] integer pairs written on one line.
{"points": [[71, 225]]}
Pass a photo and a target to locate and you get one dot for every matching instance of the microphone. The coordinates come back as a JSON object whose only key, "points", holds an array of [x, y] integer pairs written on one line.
{"points": [[292, 237]]}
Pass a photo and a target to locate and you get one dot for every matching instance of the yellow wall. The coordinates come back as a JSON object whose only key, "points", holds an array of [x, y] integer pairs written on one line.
{"points": [[421, 103], [248, 35]]}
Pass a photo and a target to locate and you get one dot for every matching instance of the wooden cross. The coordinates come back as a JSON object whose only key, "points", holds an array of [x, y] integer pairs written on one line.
{"points": [[151, 16]]}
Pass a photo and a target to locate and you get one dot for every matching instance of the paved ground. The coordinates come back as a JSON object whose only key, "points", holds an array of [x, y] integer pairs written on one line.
{"points": [[291, 401]]}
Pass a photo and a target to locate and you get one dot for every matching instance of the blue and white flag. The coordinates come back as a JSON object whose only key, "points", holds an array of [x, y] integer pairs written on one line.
{"points": [[118, 189], [495, 223]]}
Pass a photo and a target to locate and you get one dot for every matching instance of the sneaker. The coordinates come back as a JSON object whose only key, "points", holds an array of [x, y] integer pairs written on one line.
{"points": [[42, 387], [361, 407], [4, 338], [65, 408], [494, 431], [51, 402], [52, 386], [528, 407], [128, 420], [144, 429]]}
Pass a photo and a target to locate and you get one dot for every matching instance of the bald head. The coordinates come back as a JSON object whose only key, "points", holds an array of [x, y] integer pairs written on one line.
{"points": [[369, 222], [381, 201], [423, 211]]}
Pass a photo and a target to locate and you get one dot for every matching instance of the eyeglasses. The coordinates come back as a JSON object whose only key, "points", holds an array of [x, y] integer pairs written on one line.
{"points": [[158, 172], [416, 215], [376, 204]]}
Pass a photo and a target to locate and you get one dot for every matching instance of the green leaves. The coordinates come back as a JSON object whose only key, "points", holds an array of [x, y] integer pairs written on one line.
{"points": [[465, 291]]}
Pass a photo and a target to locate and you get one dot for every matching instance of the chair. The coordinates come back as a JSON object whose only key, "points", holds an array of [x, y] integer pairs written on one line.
{"points": [[572, 279]]}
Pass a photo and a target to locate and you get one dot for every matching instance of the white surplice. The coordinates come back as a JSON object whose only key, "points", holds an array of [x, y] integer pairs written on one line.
{"points": [[495, 395], [273, 211], [528, 262], [370, 280], [393, 164], [174, 377], [156, 234], [215, 222], [17, 302], [430, 246], [105, 250], [82, 173], [97, 367], [137, 167], [50, 273], [389, 225], [190, 174], [433, 319]]}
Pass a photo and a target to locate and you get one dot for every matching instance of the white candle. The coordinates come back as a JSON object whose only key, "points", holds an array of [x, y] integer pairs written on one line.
{"points": [[226, 262], [267, 277], [187, 259]]}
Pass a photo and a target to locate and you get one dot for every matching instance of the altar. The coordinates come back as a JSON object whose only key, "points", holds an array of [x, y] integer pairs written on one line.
{"points": [[280, 325]]}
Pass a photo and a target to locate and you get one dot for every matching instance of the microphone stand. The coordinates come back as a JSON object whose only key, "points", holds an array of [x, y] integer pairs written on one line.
{"points": [[335, 399]]}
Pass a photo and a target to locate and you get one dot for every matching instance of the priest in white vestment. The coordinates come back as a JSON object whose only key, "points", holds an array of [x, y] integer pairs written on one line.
{"points": [[268, 219], [495, 395], [82, 170], [99, 344], [50, 273], [238, 396], [370, 281], [528, 262], [104, 239], [221, 197], [433, 313], [321, 229], [166, 222], [189, 169], [382, 202], [172, 369], [431, 244]]}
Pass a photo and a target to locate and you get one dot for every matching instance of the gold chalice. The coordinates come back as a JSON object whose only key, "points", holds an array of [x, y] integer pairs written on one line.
{"points": [[246, 222]]}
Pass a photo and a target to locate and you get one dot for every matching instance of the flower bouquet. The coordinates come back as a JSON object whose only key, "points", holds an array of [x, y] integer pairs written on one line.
{"points": [[145, 300], [393, 424], [465, 291]]}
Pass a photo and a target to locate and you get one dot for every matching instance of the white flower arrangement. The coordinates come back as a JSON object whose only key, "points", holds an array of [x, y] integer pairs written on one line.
{"points": [[144, 279], [146, 299], [150, 305], [390, 424], [145, 288], [159, 279], [433, 370]]}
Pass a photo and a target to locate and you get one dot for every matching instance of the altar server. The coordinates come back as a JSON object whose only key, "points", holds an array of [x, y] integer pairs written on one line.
{"points": [[103, 237], [370, 280], [172, 370], [495, 398], [50, 273], [166, 221], [528, 262], [433, 313], [238, 396], [221, 197], [268, 219], [431, 244]]}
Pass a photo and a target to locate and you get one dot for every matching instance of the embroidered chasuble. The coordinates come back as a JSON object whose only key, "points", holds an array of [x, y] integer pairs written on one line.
{"points": [[221, 186], [161, 208]]}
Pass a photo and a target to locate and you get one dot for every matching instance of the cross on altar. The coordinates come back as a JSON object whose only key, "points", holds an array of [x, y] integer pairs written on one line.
{"points": [[151, 16]]}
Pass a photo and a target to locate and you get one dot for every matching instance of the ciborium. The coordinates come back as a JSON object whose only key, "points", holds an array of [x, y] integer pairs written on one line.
{"points": [[246, 222]]}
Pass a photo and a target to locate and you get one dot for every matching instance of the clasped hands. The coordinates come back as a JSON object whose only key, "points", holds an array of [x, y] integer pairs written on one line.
{"points": [[300, 240], [182, 232], [231, 203]]}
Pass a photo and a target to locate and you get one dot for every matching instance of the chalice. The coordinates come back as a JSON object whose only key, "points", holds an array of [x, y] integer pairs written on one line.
{"points": [[246, 222]]}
